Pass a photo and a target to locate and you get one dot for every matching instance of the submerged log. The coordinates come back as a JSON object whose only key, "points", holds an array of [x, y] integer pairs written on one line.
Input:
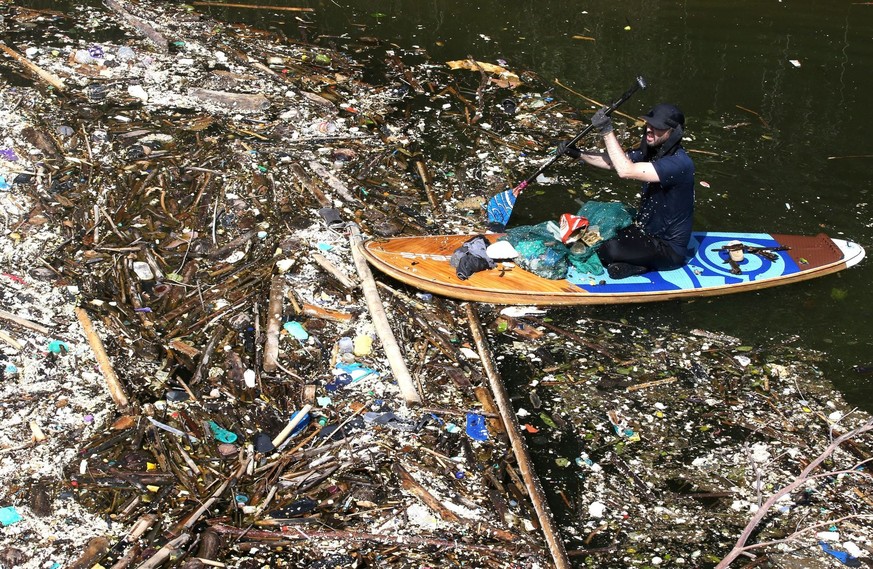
{"points": [[140, 25], [95, 550], [235, 101]]}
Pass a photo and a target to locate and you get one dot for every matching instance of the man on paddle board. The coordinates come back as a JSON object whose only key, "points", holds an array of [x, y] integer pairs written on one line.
{"points": [[658, 238]]}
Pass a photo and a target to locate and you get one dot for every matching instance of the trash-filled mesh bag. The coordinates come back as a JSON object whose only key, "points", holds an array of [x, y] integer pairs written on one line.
{"points": [[585, 261], [606, 218], [539, 250], [609, 217], [542, 253]]}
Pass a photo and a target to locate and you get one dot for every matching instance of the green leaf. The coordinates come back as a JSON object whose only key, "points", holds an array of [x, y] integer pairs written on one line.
{"points": [[839, 294], [548, 420]]}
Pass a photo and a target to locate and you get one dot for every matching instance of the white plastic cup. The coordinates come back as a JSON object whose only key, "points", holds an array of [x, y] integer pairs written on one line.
{"points": [[736, 254]]}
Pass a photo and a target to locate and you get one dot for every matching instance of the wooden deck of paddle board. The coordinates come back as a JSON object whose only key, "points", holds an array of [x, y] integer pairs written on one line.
{"points": [[423, 262]]}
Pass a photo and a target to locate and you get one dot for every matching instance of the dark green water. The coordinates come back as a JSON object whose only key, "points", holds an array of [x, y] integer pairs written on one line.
{"points": [[767, 167]]}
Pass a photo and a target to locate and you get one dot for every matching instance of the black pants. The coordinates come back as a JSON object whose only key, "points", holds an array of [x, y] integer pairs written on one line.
{"points": [[634, 246]]}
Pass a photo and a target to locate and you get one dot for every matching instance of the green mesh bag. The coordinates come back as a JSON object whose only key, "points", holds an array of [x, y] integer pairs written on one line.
{"points": [[608, 217], [539, 251], [542, 253], [586, 261]]}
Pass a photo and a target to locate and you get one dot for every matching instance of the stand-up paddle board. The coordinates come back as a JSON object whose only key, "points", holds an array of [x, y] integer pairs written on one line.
{"points": [[768, 260]]}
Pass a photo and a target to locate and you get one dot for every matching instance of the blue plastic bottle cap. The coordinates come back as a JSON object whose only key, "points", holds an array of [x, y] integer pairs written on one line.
{"points": [[9, 515], [222, 435], [297, 330], [58, 347]]}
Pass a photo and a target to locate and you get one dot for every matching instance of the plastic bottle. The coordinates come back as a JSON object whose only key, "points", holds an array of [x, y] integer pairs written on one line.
{"points": [[143, 271], [346, 345], [125, 54], [82, 56], [347, 358]]}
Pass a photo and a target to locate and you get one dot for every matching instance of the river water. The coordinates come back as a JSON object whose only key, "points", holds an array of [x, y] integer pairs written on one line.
{"points": [[776, 95]]}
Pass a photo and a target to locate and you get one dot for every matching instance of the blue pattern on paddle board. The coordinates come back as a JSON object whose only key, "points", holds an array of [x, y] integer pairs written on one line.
{"points": [[706, 269]]}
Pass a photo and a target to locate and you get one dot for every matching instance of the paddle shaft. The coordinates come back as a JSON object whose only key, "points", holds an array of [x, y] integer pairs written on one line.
{"points": [[638, 84]]}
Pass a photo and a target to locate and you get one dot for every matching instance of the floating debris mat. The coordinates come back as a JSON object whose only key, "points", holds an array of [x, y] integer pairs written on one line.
{"points": [[193, 377], [669, 448], [201, 379]]}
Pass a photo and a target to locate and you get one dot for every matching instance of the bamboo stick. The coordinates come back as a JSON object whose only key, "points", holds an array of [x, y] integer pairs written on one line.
{"points": [[163, 553], [205, 356], [280, 438], [287, 536], [532, 483], [116, 390], [408, 483], [332, 181], [274, 323], [594, 101], [189, 522], [307, 182], [491, 410], [380, 320], [24, 323], [335, 271], [10, 340], [139, 25], [49, 78], [127, 559], [325, 313], [425, 181]]}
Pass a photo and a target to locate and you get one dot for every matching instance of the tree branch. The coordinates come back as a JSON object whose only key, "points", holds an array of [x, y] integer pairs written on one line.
{"points": [[805, 475]]}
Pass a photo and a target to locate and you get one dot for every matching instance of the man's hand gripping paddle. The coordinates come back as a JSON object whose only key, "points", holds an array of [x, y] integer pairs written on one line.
{"points": [[499, 207]]}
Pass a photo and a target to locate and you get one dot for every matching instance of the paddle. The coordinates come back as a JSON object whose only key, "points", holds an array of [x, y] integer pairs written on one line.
{"points": [[499, 207]]}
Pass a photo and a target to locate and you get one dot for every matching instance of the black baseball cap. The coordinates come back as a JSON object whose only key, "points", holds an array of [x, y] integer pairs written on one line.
{"points": [[664, 116]]}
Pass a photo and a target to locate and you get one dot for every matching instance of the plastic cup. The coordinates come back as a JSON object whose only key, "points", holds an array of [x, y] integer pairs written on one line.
{"points": [[736, 251]]}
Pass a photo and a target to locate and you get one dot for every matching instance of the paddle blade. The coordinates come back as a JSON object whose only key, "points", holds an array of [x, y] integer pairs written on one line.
{"points": [[499, 208]]}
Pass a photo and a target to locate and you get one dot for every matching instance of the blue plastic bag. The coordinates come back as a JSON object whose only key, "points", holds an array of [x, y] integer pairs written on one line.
{"points": [[476, 427], [845, 558]]}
